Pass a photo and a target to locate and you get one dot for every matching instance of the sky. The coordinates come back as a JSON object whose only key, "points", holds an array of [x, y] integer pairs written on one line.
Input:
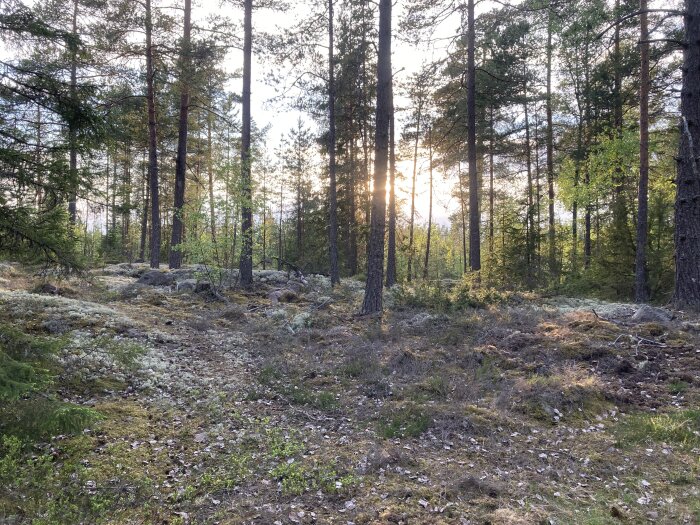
{"points": [[406, 59]]}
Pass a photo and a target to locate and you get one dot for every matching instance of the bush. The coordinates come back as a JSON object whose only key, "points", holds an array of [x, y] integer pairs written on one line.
{"points": [[467, 293], [28, 405]]}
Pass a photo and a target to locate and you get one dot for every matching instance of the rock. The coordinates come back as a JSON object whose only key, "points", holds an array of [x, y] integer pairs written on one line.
{"points": [[649, 314], [202, 286], [474, 487], [48, 288], [691, 327], [55, 326], [323, 301], [188, 285], [270, 276], [282, 296], [157, 278]]}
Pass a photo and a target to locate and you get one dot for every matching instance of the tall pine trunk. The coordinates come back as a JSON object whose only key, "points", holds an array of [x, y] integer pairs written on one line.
{"points": [[152, 143], [430, 203], [375, 254], [391, 250], [687, 212], [145, 192], [72, 133], [332, 190], [641, 289], [181, 159], [246, 261], [411, 248], [474, 219], [551, 233], [463, 217], [210, 173]]}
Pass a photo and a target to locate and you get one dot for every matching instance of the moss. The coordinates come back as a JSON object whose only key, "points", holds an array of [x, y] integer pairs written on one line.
{"points": [[680, 428], [407, 421]]}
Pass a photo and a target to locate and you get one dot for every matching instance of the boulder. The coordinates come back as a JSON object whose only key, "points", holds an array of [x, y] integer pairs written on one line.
{"points": [[282, 296], [157, 278], [649, 314], [187, 285], [202, 286], [49, 288]]}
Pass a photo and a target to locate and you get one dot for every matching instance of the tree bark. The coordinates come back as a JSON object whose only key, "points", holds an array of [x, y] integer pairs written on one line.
{"points": [[152, 143], [491, 196], [530, 244], [474, 219], [687, 213], [641, 288], [210, 172], [463, 217], [553, 268], [413, 193], [72, 132], [181, 160], [375, 255], [332, 190], [430, 203], [391, 250], [144, 216], [246, 261]]}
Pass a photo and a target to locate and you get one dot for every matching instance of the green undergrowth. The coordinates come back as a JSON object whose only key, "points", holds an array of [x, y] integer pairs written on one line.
{"points": [[29, 405], [405, 422], [680, 428], [466, 293]]}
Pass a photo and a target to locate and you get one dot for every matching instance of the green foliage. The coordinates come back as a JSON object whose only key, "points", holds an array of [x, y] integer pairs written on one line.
{"points": [[296, 478], [407, 421], [675, 428], [124, 352], [465, 294], [29, 408]]}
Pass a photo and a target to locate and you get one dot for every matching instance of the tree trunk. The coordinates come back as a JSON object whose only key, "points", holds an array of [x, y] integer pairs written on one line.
{"points": [[391, 250], [464, 219], [474, 219], [413, 193], [641, 288], [279, 229], [152, 143], [210, 171], [246, 262], [72, 132], [352, 226], [430, 202], [144, 216], [181, 160], [332, 191], [375, 255], [550, 150], [687, 212], [491, 198], [530, 244]]}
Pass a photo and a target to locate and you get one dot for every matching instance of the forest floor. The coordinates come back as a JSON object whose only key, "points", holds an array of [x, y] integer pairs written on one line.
{"points": [[289, 408]]}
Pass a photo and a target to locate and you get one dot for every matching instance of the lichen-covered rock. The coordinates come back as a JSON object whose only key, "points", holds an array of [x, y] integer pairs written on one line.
{"points": [[187, 285], [71, 312], [649, 314], [283, 296], [158, 278]]}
